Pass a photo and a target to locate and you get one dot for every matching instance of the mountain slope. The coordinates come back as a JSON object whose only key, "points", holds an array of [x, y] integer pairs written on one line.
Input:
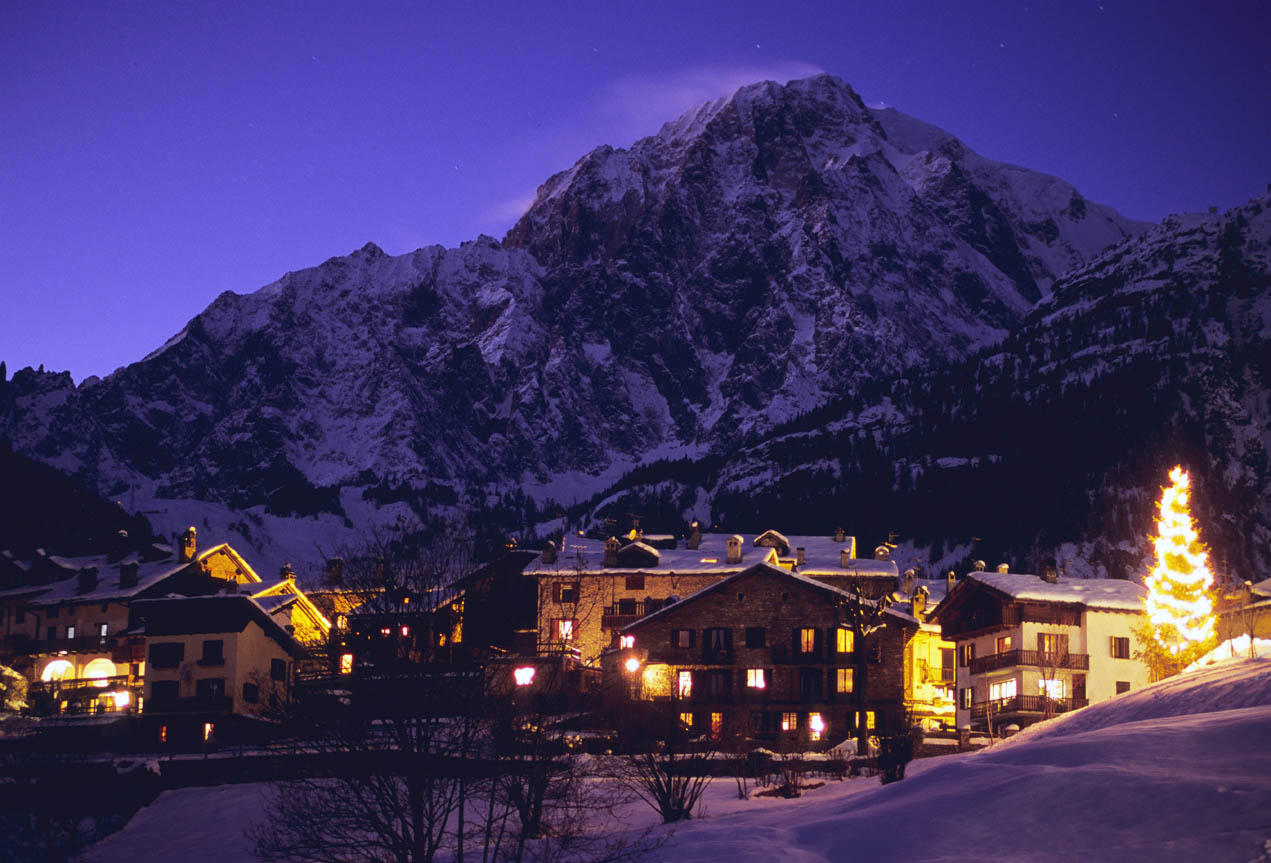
{"points": [[762, 255]]}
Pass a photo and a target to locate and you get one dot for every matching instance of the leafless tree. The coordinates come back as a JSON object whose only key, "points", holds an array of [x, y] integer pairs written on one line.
{"points": [[664, 767], [864, 617]]}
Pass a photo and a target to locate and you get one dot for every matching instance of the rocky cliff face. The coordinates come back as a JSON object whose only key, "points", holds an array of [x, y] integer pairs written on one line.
{"points": [[760, 257]]}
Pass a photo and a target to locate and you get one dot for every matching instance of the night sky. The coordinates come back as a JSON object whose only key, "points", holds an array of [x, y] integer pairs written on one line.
{"points": [[153, 155]]}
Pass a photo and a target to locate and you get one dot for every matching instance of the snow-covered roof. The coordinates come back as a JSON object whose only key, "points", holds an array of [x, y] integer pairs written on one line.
{"points": [[770, 569], [1111, 593], [108, 586], [823, 556]]}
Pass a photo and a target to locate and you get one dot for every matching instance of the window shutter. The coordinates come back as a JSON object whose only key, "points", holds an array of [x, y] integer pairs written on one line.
{"points": [[556, 586]]}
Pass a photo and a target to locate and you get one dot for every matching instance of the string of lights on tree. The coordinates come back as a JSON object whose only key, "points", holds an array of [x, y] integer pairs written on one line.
{"points": [[1179, 602]]}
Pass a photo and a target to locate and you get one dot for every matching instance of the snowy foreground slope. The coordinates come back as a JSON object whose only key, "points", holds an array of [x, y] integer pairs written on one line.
{"points": [[1180, 771]]}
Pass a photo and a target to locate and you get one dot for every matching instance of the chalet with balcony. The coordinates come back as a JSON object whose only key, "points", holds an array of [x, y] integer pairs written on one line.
{"points": [[1029, 646], [66, 622], [589, 590], [765, 650]]}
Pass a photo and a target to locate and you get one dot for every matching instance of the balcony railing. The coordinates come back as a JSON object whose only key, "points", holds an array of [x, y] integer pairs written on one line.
{"points": [[1025, 704], [619, 615], [70, 684], [1008, 658], [81, 644]]}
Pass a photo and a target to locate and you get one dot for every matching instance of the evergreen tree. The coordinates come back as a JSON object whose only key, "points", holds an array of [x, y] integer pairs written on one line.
{"points": [[1180, 600]]}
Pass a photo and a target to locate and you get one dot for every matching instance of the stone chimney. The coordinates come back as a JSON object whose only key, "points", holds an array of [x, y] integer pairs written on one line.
{"points": [[334, 571], [1003, 567], [839, 534], [909, 582], [549, 552], [88, 579], [128, 574], [882, 552], [1050, 572], [920, 602], [800, 556], [694, 535], [187, 545], [733, 548], [611, 551], [950, 579], [846, 558], [286, 573], [978, 566]]}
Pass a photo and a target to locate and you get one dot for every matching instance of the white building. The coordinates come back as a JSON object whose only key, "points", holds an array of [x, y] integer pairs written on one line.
{"points": [[1032, 646]]}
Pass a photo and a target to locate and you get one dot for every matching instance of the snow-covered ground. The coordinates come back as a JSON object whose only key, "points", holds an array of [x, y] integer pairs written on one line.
{"points": [[1179, 771]]}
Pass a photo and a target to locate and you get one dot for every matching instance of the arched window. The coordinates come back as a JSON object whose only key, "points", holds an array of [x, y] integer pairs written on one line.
{"points": [[100, 668], [57, 669]]}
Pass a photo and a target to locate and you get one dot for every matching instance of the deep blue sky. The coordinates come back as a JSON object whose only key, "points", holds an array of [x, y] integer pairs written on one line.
{"points": [[153, 155]]}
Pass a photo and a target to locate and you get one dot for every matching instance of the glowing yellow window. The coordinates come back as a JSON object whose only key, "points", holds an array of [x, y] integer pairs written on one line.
{"points": [[208, 729], [843, 679], [346, 663], [869, 719], [717, 724], [565, 630], [843, 640], [685, 687], [686, 719], [789, 722], [625, 641], [755, 678], [807, 640], [816, 726]]}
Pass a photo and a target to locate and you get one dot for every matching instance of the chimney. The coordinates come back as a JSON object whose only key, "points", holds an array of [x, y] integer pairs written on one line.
{"points": [[800, 556], [286, 573], [128, 574], [909, 582], [920, 602], [611, 551], [88, 579], [187, 545], [845, 558], [549, 552], [1003, 567], [695, 535], [1050, 573], [334, 573], [733, 547], [978, 566], [882, 552], [839, 534], [950, 579]]}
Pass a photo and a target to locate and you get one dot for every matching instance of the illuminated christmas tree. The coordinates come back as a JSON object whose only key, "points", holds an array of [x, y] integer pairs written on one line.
{"points": [[1180, 605]]}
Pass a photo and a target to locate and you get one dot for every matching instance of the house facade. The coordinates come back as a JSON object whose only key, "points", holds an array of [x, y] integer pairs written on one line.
{"points": [[590, 589], [767, 652], [1029, 647]]}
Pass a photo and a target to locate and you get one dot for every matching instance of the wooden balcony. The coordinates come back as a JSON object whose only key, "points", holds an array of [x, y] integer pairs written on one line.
{"points": [[621, 614], [1011, 658], [1031, 704], [224, 704]]}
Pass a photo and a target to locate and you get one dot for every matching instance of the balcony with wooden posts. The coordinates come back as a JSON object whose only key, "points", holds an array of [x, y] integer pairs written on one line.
{"points": [[1035, 658], [1032, 705]]}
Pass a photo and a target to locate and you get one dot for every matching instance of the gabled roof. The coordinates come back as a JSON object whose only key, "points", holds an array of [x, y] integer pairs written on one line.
{"points": [[222, 613], [580, 555], [1111, 594], [773, 539], [767, 569], [284, 592]]}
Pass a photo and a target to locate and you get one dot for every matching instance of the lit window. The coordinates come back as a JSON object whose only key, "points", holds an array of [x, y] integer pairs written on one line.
{"points": [[386, 632], [1051, 688], [807, 640], [56, 670], [98, 670], [122, 700], [625, 641], [346, 663], [405, 632], [686, 719], [816, 726], [685, 687], [208, 729], [70, 632], [163, 734], [1002, 689], [565, 630], [869, 719], [341, 621], [632, 665], [843, 679], [789, 722], [1003, 643], [717, 724], [524, 675], [843, 641], [755, 678]]}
